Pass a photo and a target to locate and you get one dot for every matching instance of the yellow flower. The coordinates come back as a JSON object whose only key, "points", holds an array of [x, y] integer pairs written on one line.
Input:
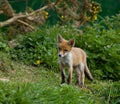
{"points": [[38, 62], [46, 13], [94, 17], [90, 5], [46, 17], [87, 18], [62, 17], [95, 12], [97, 7]]}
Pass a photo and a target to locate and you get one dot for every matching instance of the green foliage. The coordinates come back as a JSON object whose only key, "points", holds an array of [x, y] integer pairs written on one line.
{"points": [[3, 44], [39, 93], [103, 52], [5, 62], [40, 45], [100, 42], [109, 90], [108, 8]]}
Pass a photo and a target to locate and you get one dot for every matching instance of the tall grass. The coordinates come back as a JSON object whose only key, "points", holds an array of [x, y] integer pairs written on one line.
{"points": [[39, 93]]}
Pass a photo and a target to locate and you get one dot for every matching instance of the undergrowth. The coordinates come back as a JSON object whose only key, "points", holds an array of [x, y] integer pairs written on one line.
{"points": [[100, 42], [43, 93]]}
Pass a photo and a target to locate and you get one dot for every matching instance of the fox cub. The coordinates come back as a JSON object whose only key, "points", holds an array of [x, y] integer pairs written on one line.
{"points": [[75, 59]]}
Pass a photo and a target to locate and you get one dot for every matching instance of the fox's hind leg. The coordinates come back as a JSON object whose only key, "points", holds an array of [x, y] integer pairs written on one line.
{"points": [[77, 72], [82, 74]]}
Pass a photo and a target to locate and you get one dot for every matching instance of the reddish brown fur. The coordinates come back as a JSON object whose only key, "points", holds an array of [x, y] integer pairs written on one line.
{"points": [[75, 58]]}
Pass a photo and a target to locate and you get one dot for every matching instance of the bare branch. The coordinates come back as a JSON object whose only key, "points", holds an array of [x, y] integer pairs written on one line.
{"points": [[41, 9], [1, 12], [11, 20], [20, 21], [16, 17]]}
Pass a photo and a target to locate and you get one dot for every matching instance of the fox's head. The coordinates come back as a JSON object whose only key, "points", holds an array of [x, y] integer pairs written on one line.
{"points": [[64, 46]]}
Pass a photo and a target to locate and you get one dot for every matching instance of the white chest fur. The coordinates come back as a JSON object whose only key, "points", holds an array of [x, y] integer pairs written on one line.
{"points": [[66, 60]]}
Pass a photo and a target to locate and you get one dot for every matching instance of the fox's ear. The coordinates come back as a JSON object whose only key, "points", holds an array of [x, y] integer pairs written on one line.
{"points": [[71, 42], [60, 38]]}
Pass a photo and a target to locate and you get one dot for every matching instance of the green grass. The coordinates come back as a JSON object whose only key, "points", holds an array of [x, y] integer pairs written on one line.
{"points": [[39, 85]]}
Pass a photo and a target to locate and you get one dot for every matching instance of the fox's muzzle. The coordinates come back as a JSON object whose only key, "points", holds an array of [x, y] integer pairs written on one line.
{"points": [[62, 55]]}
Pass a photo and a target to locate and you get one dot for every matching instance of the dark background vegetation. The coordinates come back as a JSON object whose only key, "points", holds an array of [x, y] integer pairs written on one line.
{"points": [[109, 7]]}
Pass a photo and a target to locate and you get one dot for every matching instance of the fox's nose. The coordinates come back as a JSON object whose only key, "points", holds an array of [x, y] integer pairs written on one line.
{"points": [[59, 55]]}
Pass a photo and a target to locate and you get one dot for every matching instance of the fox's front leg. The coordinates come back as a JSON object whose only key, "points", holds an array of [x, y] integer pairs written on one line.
{"points": [[62, 74], [70, 71]]}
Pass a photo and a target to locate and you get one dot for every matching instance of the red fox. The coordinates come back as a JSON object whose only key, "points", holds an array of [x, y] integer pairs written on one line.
{"points": [[75, 59]]}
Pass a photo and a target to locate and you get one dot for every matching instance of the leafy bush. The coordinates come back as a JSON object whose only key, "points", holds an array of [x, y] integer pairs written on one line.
{"points": [[103, 52], [37, 48], [3, 44], [100, 43]]}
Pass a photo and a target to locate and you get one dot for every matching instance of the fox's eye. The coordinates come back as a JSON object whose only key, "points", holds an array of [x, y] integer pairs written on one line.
{"points": [[65, 50], [59, 48]]}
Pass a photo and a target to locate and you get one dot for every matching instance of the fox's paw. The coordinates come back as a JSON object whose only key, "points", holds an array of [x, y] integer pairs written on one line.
{"points": [[82, 86], [62, 82], [77, 84]]}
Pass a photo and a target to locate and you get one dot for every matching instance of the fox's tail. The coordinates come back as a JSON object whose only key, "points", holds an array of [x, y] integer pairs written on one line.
{"points": [[87, 73]]}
